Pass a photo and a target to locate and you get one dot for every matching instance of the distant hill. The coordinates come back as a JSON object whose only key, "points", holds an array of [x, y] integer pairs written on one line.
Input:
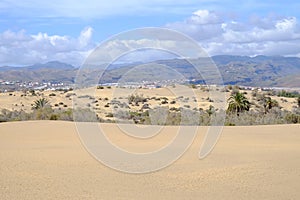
{"points": [[50, 71], [236, 70], [259, 70]]}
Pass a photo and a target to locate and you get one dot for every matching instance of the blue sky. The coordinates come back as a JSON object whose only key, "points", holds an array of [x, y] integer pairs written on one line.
{"points": [[39, 31]]}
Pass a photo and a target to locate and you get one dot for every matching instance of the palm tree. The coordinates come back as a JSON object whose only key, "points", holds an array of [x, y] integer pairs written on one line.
{"points": [[40, 103], [238, 103], [269, 103]]}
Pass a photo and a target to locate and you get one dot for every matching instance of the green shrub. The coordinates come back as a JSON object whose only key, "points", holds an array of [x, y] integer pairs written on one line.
{"points": [[135, 99], [164, 102], [43, 113], [109, 115], [284, 93], [85, 115], [229, 124], [292, 118], [54, 117]]}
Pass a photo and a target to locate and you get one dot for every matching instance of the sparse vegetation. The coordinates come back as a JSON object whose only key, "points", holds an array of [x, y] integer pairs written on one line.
{"points": [[263, 109], [32, 92], [70, 94]]}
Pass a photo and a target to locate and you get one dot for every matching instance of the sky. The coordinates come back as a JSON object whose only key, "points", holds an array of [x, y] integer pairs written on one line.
{"points": [[34, 31]]}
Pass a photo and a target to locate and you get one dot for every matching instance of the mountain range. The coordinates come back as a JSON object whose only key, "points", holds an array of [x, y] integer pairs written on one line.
{"points": [[263, 71]]}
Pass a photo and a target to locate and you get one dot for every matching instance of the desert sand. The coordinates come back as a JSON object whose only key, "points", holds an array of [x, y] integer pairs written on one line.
{"points": [[46, 160]]}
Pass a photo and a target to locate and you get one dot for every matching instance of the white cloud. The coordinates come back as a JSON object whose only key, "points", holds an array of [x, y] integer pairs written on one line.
{"points": [[145, 44], [218, 34], [85, 37], [272, 35], [203, 24], [22, 49], [204, 17], [142, 50]]}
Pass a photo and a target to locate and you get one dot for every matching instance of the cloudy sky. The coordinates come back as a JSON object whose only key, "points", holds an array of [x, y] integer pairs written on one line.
{"points": [[34, 31]]}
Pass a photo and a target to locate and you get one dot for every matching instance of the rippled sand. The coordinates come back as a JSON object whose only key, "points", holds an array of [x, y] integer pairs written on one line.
{"points": [[46, 160]]}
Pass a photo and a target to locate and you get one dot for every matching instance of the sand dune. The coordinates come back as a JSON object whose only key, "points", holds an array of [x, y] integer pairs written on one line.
{"points": [[46, 160]]}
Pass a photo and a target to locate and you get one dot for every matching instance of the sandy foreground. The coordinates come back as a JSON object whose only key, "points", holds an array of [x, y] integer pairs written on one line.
{"points": [[46, 160]]}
